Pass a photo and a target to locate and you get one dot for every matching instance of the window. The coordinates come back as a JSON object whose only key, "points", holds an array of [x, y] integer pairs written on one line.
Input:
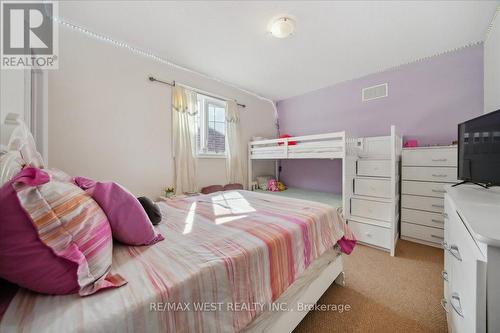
{"points": [[211, 127]]}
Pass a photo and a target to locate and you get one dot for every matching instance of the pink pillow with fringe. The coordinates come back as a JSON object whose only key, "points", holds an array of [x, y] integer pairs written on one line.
{"points": [[58, 233], [129, 222]]}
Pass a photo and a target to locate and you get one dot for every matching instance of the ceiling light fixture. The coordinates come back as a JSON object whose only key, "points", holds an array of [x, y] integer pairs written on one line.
{"points": [[282, 27]]}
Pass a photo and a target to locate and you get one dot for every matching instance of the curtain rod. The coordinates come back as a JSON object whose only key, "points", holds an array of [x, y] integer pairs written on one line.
{"points": [[173, 83]]}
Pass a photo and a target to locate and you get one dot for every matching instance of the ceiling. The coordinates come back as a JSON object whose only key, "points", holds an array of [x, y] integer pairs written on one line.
{"points": [[334, 41]]}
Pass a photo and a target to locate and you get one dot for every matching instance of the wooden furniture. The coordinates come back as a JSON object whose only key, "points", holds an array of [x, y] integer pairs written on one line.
{"points": [[374, 214], [472, 259], [425, 172]]}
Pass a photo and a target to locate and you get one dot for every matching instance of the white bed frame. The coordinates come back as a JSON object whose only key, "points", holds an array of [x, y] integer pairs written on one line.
{"points": [[287, 321]]}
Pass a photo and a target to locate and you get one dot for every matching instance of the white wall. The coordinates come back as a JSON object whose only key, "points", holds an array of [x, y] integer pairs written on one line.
{"points": [[492, 68], [14, 97], [11, 92], [108, 122]]}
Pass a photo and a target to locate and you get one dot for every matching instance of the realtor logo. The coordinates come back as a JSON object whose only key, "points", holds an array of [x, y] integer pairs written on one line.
{"points": [[29, 35]]}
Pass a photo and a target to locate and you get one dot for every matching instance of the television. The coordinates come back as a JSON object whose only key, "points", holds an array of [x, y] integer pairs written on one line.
{"points": [[479, 150]]}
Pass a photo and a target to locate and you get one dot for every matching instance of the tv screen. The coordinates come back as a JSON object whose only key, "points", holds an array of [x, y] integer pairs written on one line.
{"points": [[479, 149]]}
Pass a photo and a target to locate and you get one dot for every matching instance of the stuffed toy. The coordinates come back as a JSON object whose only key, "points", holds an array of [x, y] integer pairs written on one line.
{"points": [[272, 185], [263, 181], [281, 186]]}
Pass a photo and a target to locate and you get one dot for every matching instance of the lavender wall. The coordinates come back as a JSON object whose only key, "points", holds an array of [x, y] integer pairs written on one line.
{"points": [[426, 101]]}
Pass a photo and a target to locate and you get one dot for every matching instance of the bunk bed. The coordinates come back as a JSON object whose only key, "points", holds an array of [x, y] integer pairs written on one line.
{"points": [[336, 145], [370, 178]]}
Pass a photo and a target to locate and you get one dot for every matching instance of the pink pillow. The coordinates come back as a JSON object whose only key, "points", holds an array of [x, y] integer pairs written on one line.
{"points": [[212, 189], [47, 226], [129, 222], [235, 186]]}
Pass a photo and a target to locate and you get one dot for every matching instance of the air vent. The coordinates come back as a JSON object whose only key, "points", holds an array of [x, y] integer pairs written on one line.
{"points": [[374, 92]]}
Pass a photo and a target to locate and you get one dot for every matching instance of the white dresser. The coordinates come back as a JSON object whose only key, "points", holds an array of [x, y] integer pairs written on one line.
{"points": [[472, 259], [374, 204], [425, 172]]}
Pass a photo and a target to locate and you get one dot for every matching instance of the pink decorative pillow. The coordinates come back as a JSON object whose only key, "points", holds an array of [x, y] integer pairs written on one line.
{"points": [[212, 189], [129, 222], [49, 226], [234, 186]]}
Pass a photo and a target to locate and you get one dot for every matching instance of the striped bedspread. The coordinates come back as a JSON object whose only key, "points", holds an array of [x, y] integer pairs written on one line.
{"points": [[225, 256]]}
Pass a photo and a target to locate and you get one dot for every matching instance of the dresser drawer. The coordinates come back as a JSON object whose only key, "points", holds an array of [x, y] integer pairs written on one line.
{"points": [[467, 287], [429, 219], [371, 209], [428, 234], [371, 234], [430, 157], [375, 187], [374, 168], [428, 189], [430, 204], [430, 174]]}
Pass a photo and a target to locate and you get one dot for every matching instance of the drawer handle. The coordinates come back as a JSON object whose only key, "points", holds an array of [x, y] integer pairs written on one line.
{"points": [[444, 274], [439, 159], [455, 252], [437, 221], [444, 302], [436, 236], [437, 206], [445, 245], [439, 175], [438, 191], [455, 304]]}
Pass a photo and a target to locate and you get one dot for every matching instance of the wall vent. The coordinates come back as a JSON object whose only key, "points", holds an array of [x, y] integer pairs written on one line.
{"points": [[374, 92]]}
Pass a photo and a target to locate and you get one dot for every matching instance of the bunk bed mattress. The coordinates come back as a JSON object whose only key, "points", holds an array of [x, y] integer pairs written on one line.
{"points": [[225, 257], [331, 199]]}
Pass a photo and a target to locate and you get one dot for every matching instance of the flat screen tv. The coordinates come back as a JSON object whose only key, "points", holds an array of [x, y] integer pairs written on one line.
{"points": [[479, 150]]}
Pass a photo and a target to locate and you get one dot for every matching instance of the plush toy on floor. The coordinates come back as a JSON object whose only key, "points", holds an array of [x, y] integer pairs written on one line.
{"points": [[272, 185], [281, 186], [275, 186]]}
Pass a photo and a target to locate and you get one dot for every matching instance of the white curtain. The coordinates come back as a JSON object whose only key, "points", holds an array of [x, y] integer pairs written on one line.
{"points": [[235, 159], [184, 110]]}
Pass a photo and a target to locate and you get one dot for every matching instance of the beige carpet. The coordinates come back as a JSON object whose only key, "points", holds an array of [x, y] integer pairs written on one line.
{"points": [[386, 294]]}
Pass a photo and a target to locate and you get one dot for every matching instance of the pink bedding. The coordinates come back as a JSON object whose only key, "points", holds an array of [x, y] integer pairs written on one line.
{"points": [[229, 248]]}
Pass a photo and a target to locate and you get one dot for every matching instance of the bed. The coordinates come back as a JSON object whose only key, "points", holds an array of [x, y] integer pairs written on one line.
{"points": [[227, 258], [335, 145]]}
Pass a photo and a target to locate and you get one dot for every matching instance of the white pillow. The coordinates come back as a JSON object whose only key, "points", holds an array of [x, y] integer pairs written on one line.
{"points": [[22, 141], [10, 164]]}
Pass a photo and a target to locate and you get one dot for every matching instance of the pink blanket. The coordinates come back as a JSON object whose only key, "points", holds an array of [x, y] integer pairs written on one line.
{"points": [[232, 251]]}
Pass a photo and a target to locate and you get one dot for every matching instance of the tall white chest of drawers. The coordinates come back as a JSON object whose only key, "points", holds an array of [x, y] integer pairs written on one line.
{"points": [[374, 204], [425, 172]]}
